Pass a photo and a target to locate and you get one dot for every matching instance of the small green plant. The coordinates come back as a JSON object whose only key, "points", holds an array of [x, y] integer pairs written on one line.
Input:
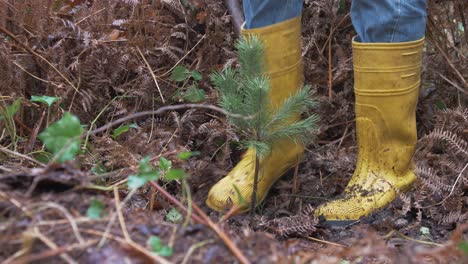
{"points": [[188, 154], [63, 138], [245, 92], [193, 93], [47, 100], [7, 114], [146, 173], [463, 246], [159, 248], [95, 209], [174, 216], [122, 129]]}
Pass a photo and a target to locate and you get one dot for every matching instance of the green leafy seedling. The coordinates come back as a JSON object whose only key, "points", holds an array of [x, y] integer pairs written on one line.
{"points": [[95, 209], [122, 129], [180, 73], [463, 246], [146, 173], [196, 75], [98, 169], [47, 100], [43, 156], [185, 155], [194, 94], [63, 138], [175, 174], [159, 248], [11, 110], [174, 216], [425, 231], [164, 164]]}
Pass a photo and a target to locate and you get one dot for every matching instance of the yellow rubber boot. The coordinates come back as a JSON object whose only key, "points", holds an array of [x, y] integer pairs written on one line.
{"points": [[386, 87], [282, 54]]}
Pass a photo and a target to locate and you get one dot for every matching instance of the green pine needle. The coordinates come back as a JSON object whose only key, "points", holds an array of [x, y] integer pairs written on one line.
{"points": [[245, 91]]}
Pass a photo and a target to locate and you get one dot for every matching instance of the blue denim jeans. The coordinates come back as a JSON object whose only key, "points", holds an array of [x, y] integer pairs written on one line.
{"points": [[374, 20]]}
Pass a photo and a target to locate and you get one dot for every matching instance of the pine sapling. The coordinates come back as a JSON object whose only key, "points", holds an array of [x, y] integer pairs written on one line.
{"points": [[245, 90]]}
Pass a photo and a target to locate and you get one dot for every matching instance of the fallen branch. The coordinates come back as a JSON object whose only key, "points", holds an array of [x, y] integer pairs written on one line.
{"points": [[162, 110]]}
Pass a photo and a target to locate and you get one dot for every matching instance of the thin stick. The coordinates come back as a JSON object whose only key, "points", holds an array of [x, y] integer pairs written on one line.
{"points": [[195, 247], [451, 190], [204, 219], [71, 220], [123, 226], [162, 110], [326, 242], [28, 49], [176, 202], [131, 244], [449, 62], [32, 75], [51, 244], [5, 150], [330, 64], [419, 241], [295, 187], [95, 13], [452, 83], [152, 74], [32, 138], [233, 211], [54, 252], [181, 59], [235, 10], [223, 235]]}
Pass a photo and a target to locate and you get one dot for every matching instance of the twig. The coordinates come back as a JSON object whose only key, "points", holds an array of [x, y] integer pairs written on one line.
{"points": [[204, 219], [451, 190], [17, 120], [32, 138], [28, 49], [223, 235], [253, 199], [233, 211], [152, 75], [54, 252], [195, 247], [449, 62], [237, 15], [176, 202], [17, 204], [295, 187], [162, 110], [95, 13], [48, 205], [330, 63], [326, 242], [32, 75], [131, 244], [452, 83], [5, 150], [123, 226], [112, 218], [183, 57], [390, 234], [51, 244]]}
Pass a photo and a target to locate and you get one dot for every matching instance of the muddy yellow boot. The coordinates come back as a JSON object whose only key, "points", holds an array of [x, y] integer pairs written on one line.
{"points": [[386, 87], [282, 54]]}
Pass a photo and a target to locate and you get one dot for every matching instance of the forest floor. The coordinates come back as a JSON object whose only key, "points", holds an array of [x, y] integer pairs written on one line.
{"points": [[104, 60]]}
